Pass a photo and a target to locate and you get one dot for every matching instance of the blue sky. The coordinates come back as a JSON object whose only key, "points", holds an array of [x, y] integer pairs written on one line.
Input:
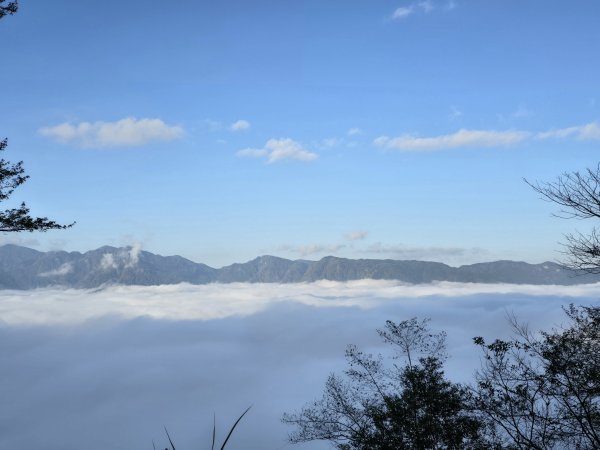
{"points": [[224, 130]]}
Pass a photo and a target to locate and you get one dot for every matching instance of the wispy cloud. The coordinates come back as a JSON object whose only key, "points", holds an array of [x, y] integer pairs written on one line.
{"points": [[107, 262], [450, 5], [522, 112], [401, 251], [423, 6], [253, 152], [278, 150], [127, 258], [128, 132], [354, 131], [329, 143], [312, 249], [455, 113], [211, 125], [587, 132], [464, 138], [461, 138], [63, 270], [402, 12], [356, 235], [240, 125], [19, 240]]}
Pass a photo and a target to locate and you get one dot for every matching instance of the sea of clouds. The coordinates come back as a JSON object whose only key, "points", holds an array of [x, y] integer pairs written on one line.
{"points": [[108, 368]]}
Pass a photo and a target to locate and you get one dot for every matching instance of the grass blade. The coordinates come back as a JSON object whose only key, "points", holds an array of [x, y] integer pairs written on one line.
{"points": [[214, 430], [233, 427], [170, 441]]}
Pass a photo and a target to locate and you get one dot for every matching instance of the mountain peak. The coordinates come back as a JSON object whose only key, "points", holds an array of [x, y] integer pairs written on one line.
{"points": [[25, 268]]}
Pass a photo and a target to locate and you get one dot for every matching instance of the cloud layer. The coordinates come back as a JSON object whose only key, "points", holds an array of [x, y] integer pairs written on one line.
{"points": [[128, 132], [218, 301], [107, 369]]}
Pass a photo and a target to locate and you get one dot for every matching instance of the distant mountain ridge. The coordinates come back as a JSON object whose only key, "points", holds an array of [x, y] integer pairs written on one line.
{"points": [[25, 268]]}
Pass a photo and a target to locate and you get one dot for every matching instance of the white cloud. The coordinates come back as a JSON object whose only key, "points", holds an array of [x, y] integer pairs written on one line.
{"points": [[132, 255], [240, 125], [287, 149], [63, 270], [278, 150], [402, 12], [589, 131], [127, 257], [107, 262], [356, 235], [559, 133], [461, 138], [128, 132], [485, 138], [354, 131], [425, 6]]}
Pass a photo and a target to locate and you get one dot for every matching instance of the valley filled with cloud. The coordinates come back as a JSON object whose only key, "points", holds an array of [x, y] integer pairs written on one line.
{"points": [[108, 368]]}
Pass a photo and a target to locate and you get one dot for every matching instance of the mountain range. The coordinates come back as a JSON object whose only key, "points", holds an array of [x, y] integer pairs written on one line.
{"points": [[25, 268]]}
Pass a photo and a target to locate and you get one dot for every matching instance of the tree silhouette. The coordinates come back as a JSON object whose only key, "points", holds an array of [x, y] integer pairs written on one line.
{"points": [[578, 195], [407, 404], [18, 219], [542, 391], [12, 176], [10, 8]]}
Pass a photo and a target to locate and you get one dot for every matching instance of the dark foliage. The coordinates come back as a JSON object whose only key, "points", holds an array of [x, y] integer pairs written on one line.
{"points": [[405, 406], [9, 8], [18, 219], [428, 413], [543, 391]]}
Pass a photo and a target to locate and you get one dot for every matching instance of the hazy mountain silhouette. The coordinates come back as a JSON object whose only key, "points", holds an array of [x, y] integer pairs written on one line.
{"points": [[25, 268]]}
